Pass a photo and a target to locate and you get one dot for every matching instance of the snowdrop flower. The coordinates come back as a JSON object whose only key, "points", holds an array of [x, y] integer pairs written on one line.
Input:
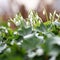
{"points": [[2, 48], [16, 16], [57, 15], [56, 40], [53, 53], [2, 27], [31, 13], [15, 32], [40, 37], [12, 42], [31, 54], [8, 50], [54, 12], [37, 16], [21, 18], [6, 30], [31, 21], [50, 15], [39, 52], [0, 42], [44, 11], [56, 23], [27, 23], [14, 20], [27, 36], [49, 35], [53, 58], [19, 43], [17, 23], [9, 24]]}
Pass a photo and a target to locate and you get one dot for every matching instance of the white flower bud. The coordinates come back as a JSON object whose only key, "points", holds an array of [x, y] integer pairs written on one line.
{"points": [[44, 12], [9, 24]]}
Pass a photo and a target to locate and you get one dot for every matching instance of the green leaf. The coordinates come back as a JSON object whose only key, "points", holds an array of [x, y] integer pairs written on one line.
{"points": [[32, 42], [41, 28], [25, 31]]}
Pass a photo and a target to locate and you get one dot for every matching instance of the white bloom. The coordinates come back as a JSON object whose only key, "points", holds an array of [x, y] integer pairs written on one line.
{"points": [[27, 36], [12, 42], [31, 20], [44, 12], [19, 43], [0, 42], [9, 24], [40, 37], [49, 35], [14, 20], [29, 16], [8, 50], [57, 15], [27, 23], [17, 23], [16, 15], [53, 58], [37, 17], [53, 53], [39, 52], [50, 15], [15, 32], [6, 30], [54, 12], [2, 48], [56, 40], [21, 18], [31, 13], [31, 54], [56, 23], [2, 27]]}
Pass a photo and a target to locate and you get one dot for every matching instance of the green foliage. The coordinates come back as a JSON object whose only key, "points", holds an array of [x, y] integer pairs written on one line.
{"points": [[33, 39]]}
